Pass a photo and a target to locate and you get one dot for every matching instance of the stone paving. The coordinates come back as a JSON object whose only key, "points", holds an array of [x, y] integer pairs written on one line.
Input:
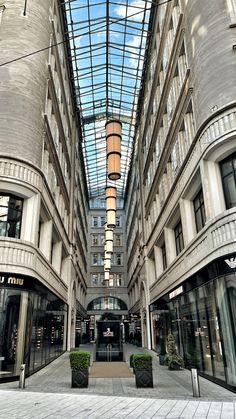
{"points": [[48, 394]]}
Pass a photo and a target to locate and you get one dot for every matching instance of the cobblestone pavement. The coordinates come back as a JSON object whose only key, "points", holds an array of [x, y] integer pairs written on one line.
{"points": [[48, 394]]}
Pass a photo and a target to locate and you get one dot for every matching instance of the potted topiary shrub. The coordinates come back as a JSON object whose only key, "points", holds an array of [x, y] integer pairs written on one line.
{"points": [[162, 352], [142, 364], [79, 362], [131, 362], [172, 358]]}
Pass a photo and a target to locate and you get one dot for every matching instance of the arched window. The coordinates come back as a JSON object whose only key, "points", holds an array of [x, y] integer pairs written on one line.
{"points": [[107, 303]]}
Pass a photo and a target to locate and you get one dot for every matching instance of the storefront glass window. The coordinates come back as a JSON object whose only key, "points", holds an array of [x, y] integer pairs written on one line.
{"points": [[31, 329], [203, 322], [190, 331], [227, 325]]}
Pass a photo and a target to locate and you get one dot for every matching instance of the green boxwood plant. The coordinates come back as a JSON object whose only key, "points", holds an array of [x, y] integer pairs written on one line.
{"points": [[142, 362], [79, 360], [131, 362]]}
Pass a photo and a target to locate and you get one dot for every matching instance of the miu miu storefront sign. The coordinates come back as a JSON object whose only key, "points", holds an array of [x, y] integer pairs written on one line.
{"points": [[11, 280]]}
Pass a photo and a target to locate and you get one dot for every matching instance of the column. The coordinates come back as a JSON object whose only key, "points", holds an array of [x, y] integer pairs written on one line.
{"points": [[170, 245], [212, 189], [188, 221], [45, 242], [30, 220]]}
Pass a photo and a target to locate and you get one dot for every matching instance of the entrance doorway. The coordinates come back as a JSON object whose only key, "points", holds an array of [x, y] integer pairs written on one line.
{"points": [[109, 345]]}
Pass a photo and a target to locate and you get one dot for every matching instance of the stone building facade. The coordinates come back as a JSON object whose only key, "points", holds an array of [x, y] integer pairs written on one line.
{"points": [[43, 202], [181, 222]]}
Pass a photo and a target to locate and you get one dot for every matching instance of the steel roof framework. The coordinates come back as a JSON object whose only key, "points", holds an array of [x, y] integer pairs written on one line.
{"points": [[107, 41]]}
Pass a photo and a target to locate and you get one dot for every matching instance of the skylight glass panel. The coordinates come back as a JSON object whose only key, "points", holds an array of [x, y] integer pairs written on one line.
{"points": [[107, 41]]}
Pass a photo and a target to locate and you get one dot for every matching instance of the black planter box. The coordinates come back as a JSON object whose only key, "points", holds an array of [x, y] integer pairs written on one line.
{"points": [[80, 378], [143, 378], [162, 359], [174, 367]]}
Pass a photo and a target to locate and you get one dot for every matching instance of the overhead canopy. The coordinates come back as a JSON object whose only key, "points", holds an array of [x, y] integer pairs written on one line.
{"points": [[107, 41]]}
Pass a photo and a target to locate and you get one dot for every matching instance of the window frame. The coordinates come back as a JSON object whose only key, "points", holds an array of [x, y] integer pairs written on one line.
{"points": [[10, 221], [232, 173], [199, 208], [179, 238]]}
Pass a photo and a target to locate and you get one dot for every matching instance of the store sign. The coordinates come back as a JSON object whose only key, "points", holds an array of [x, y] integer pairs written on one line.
{"points": [[11, 280], [231, 262], [176, 292], [108, 332]]}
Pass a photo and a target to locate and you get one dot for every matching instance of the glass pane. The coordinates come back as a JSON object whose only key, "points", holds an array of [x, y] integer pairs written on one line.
{"points": [[190, 331], [226, 167], [204, 330], [226, 328], [215, 338], [13, 304], [230, 191]]}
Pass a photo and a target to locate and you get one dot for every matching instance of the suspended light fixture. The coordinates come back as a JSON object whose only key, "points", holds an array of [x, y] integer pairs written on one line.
{"points": [[113, 139], [106, 277], [111, 206], [107, 262], [108, 239]]}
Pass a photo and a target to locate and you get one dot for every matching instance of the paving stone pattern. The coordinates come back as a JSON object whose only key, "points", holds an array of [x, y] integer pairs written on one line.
{"points": [[48, 394]]}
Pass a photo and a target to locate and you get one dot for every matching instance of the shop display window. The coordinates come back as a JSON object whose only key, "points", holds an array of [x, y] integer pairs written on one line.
{"points": [[31, 329]]}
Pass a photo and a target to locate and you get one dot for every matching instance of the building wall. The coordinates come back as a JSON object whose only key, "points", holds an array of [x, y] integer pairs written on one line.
{"points": [[40, 159], [95, 280], [187, 128]]}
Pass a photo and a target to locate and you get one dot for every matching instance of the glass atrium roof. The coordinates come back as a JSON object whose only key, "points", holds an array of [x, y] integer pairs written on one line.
{"points": [[107, 41]]}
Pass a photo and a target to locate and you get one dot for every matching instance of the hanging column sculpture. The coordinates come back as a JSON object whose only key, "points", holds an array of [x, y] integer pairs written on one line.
{"points": [[113, 143], [113, 139], [108, 239], [111, 206]]}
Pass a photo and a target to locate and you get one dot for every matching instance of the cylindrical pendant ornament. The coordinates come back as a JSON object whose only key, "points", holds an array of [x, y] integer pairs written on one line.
{"points": [[113, 139]]}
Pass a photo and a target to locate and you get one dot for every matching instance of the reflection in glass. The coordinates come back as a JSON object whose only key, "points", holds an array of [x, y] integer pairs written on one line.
{"points": [[228, 332], [190, 331], [107, 303], [31, 329]]}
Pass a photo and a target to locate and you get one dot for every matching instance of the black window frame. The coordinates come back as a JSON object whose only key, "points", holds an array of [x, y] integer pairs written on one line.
{"points": [[11, 222], [199, 208], [179, 238], [224, 177], [164, 260]]}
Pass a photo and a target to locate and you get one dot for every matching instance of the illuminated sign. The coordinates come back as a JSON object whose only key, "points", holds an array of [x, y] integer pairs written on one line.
{"points": [[11, 280], [108, 332], [231, 262], [176, 292]]}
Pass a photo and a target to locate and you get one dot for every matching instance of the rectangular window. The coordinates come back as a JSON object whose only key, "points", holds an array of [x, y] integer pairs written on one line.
{"points": [[94, 280], [102, 239], [94, 258], [10, 216], [95, 240], [118, 221], [164, 260], [118, 259], [94, 221], [118, 280], [228, 174], [118, 240], [102, 221], [199, 211], [179, 239]]}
